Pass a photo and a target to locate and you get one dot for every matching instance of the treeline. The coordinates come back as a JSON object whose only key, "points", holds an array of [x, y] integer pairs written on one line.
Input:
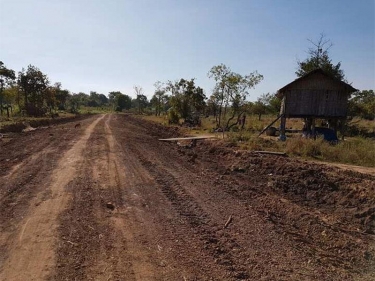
{"points": [[228, 103], [32, 93]]}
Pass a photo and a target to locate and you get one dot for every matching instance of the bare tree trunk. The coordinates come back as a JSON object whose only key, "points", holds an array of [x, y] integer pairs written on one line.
{"points": [[282, 136], [220, 113]]}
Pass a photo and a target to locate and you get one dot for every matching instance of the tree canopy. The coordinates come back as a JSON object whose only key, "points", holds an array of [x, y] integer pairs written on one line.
{"points": [[187, 98], [230, 93], [6, 77], [159, 99], [119, 101], [6, 73], [318, 57], [33, 83], [362, 104]]}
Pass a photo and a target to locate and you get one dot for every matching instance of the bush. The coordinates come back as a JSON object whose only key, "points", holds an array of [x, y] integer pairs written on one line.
{"points": [[235, 128], [173, 117]]}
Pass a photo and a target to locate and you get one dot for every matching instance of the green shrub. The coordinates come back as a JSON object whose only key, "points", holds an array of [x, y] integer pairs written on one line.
{"points": [[173, 117], [235, 128]]}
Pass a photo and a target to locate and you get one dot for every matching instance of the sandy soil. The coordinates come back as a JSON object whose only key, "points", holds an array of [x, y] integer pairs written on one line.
{"points": [[108, 201]]}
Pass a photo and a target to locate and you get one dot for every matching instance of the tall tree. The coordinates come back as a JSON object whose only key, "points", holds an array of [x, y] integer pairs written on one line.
{"points": [[187, 98], [74, 102], [231, 91], [94, 100], [141, 99], [213, 105], [319, 58], [50, 97], [61, 96], [259, 108], [362, 104], [272, 103], [158, 99], [103, 100], [123, 102], [82, 98], [6, 77], [33, 83], [112, 98]]}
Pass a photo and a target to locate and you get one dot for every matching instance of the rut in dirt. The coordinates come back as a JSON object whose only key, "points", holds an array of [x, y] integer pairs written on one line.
{"points": [[29, 244]]}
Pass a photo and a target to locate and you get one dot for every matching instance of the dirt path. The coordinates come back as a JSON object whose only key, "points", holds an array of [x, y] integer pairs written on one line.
{"points": [[36, 234], [109, 202], [347, 167]]}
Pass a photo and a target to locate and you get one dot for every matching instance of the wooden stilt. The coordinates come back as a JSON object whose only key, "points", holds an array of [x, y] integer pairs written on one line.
{"points": [[313, 128], [282, 128]]}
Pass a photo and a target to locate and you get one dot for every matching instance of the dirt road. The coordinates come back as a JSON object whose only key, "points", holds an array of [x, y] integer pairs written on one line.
{"points": [[108, 201]]}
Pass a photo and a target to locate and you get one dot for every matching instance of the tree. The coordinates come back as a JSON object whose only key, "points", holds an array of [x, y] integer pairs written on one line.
{"points": [[33, 83], [141, 100], [9, 97], [259, 108], [159, 98], [319, 58], [6, 77], [103, 100], [94, 99], [123, 102], [61, 96], [362, 104], [119, 101], [112, 98], [213, 105], [74, 102], [271, 102], [50, 97], [231, 91], [9, 94], [83, 98], [187, 99]]}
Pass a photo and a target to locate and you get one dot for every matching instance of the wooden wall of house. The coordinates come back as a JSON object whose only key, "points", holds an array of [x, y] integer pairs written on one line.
{"points": [[316, 96], [325, 103]]}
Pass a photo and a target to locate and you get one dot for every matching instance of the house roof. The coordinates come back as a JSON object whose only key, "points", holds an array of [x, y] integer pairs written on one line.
{"points": [[318, 70]]}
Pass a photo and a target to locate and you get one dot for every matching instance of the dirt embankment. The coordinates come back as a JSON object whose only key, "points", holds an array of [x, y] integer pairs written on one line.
{"points": [[124, 206], [18, 127]]}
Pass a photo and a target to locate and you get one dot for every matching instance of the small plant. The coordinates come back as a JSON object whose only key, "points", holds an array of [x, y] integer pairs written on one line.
{"points": [[173, 117]]}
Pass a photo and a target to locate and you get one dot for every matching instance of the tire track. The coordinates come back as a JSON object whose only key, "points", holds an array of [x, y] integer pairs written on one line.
{"points": [[35, 236], [105, 241], [197, 219]]}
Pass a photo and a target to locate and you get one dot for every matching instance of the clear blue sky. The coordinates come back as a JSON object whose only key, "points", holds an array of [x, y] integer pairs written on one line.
{"points": [[96, 45]]}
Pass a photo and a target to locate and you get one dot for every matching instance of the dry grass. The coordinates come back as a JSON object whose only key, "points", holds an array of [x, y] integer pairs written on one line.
{"points": [[355, 150], [358, 151]]}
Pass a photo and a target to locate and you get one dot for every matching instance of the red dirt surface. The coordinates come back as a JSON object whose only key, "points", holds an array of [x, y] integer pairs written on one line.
{"points": [[108, 201]]}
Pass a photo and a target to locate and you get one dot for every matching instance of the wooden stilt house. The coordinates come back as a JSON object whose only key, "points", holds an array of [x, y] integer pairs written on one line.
{"points": [[314, 95]]}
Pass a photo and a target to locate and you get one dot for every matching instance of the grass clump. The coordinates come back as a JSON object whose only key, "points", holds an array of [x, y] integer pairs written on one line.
{"points": [[357, 151]]}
